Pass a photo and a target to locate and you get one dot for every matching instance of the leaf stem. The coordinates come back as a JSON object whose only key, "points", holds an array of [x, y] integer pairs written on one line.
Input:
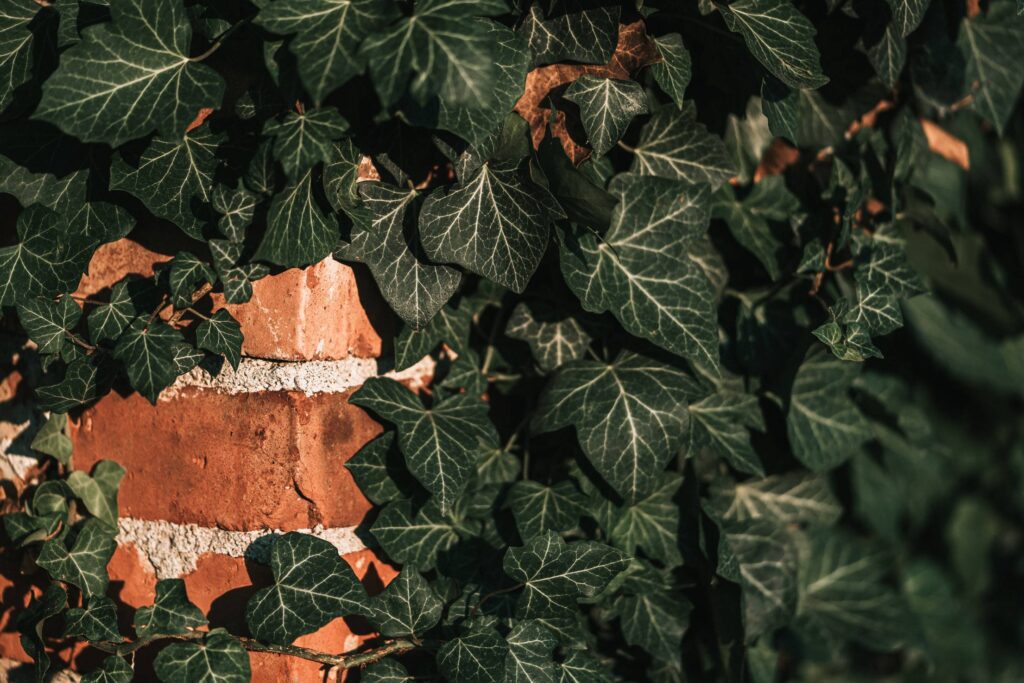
{"points": [[218, 42]]}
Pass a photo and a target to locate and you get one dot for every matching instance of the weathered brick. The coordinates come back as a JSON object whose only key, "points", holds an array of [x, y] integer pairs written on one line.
{"points": [[236, 461]]}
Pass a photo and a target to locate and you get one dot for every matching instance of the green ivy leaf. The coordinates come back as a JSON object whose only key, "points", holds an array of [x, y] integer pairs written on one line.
{"points": [[299, 231], [147, 350], [646, 269], [187, 272], [414, 287], [217, 658], [673, 72], [629, 417], [130, 76], [907, 14], [722, 421], [83, 381], [495, 223], [440, 49], [302, 140], [414, 538], [477, 656], [171, 612], [607, 106], [237, 207], [442, 443], [450, 326], [793, 498], [46, 260], [49, 323], [780, 37], [651, 524], [824, 426], [750, 220], [30, 623], [222, 334], [655, 621], [556, 575], [312, 586], [674, 145], [386, 671], [99, 492], [112, 670], [84, 564], [408, 606], [18, 47], [571, 30], [96, 622], [583, 667], [991, 44], [530, 657], [538, 508], [553, 338], [107, 321], [52, 440]]}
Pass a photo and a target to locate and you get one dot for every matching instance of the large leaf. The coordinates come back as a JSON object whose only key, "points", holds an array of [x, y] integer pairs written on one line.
{"points": [[411, 537], [148, 350], [221, 334], [495, 223], [530, 654], [477, 656], [96, 622], [326, 35], [722, 421], [673, 72], [556, 574], [571, 30], [792, 498], [408, 606], [538, 508], [442, 443], [49, 324], [45, 260], [414, 287], [130, 76], [650, 525], [780, 37], [553, 339], [84, 564], [629, 417], [992, 44], [644, 269], [675, 145], [655, 621], [18, 47], [312, 586], [607, 106], [173, 177]]}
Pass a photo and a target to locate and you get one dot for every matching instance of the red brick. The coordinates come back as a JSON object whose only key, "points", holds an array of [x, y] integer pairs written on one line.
{"points": [[324, 312], [237, 461]]}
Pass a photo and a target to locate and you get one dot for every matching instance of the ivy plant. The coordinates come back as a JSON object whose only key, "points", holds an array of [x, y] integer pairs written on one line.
{"points": [[725, 299]]}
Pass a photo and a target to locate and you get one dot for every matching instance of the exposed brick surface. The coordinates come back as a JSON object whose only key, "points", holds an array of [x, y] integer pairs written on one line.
{"points": [[236, 461]]}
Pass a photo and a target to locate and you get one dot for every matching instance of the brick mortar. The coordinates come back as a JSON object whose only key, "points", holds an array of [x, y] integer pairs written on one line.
{"points": [[174, 549], [309, 377]]}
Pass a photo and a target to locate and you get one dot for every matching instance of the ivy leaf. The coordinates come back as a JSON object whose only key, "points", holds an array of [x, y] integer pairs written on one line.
{"points": [[408, 606], [173, 177], [674, 145], [629, 417], [31, 622], [99, 492], [46, 260], [530, 654], [299, 231], [553, 339], [107, 321], [217, 658], [477, 656], [130, 76], [793, 498], [49, 323], [651, 524], [52, 440], [583, 667], [85, 564], [171, 612], [644, 270], [655, 621], [325, 36], [556, 574], [571, 30], [607, 106], [312, 586], [147, 350], [495, 224], [221, 334], [750, 221], [414, 287], [303, 140], [386, 671], [722, 422], [824, 426], [842, 592], [673, 72], [414, 538], [780, 37], [440, 49], [907, 14], [96, 622], [237, 206], [450, 326], [379, 471], [441, 444], [113, 670], [538, 508], [18, 45], [81, 384], [187, 271], [991, 44]]}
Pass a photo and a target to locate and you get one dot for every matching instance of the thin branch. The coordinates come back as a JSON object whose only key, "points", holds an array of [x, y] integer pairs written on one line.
{"points": [[203, 290], [197, 313], [80, 342], [218, 42]]}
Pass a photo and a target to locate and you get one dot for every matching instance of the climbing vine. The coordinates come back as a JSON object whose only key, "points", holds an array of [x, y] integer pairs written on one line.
{"points": [[725, 299]]}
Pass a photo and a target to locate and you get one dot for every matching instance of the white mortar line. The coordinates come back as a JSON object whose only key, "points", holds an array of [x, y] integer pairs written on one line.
{"points": [[173, 549], [310, 377]]}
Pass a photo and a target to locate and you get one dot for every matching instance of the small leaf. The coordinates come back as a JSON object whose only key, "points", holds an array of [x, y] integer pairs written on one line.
{"points": [[52, 440], [222, 334], [408, 606], [217, 658], [303, 140], [299, 231], [655, 621], [113, 670], [477, 656], [237, 206], [794, 498], [31, 622], [553, 339], [171, 612], [99, 492], [991, 44], [187, 272], [147, 350], [571, 30], [607, 106], [530, 657], [556, 574], [44, 261], [722, 421], [650, 525], [96, 622], [673, 72], [85, 564], [312, 586], [49, 323], [538, 508], [414, 538]]}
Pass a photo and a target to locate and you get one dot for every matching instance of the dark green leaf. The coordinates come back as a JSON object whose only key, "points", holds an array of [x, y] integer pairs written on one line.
{"points": [[147, 350], [538, 508], [414, 538], [99, 492], [571, 30], [408, 606], [476, 657], [553, 339], [607, 106], [170, 613], [529, 658], [303, 140], [722, 422], [49, 323], [84, 564], [675, 145], [52, 439], [217, 658], [221, 334], [96, 622], [673, 72], [299, 231]]}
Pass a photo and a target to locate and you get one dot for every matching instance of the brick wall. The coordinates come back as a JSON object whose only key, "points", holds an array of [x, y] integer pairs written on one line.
{"points": [[220, 463]]}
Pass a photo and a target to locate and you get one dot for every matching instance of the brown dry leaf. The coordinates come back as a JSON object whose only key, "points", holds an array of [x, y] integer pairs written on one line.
{"points": [[199, 119], [869, 118], [779, 156], [946, 145], [973, 8], [366, 170], [633, 52]]}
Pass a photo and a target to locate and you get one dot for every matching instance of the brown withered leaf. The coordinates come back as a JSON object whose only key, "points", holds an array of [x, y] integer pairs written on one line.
{"points": [[868, 118], [203, 114], [779, 156], [973, 8], [633, 52], [946, 145]]}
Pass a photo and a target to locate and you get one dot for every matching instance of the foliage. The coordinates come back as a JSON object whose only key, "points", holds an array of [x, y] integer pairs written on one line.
{"points": [[664, 253]]}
